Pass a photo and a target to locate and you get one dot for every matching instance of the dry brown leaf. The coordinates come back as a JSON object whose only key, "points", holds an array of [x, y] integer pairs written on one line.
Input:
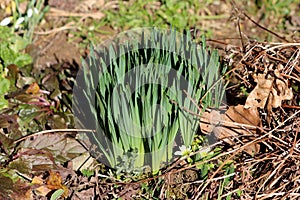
{"points": [[83, 161], [269, 90], [33, 88], [280, 91], [54, 182], [41, 189], [209, 120], [228, 125], [61, 147], [259, 95]]}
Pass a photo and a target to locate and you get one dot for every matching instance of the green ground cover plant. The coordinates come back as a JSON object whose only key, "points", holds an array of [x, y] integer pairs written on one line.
{"points": [[11, 53]]}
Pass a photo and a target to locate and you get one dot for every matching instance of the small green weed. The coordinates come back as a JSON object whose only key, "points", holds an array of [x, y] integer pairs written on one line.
{"points": [[11, 47], [87, 172], [229, 172]]}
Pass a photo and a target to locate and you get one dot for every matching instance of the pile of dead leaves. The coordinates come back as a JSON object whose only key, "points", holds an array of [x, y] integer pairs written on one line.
{"points": [[266, 127]]}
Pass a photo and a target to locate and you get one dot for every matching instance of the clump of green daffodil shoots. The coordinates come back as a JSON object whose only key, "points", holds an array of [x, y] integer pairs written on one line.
{"points": [[141, 94]]}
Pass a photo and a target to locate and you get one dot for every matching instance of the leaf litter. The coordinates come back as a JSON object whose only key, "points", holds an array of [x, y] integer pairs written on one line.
{"points": [[271, 71]]}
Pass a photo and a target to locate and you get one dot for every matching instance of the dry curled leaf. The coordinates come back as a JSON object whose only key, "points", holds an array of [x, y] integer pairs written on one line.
{"points": [[33, 88], [209, 120], [54, 182], [280, 91], [39, 186], [270, 91], [236, 121], [259, 95]]}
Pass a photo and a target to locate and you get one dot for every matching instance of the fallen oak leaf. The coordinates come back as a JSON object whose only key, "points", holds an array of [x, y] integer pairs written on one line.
{"points": [[269, 92], [259, 95], [236, 121], [275, 86]]}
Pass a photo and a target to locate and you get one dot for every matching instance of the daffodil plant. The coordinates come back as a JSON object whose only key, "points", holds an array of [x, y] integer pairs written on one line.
{"points": [[140, 94]]}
